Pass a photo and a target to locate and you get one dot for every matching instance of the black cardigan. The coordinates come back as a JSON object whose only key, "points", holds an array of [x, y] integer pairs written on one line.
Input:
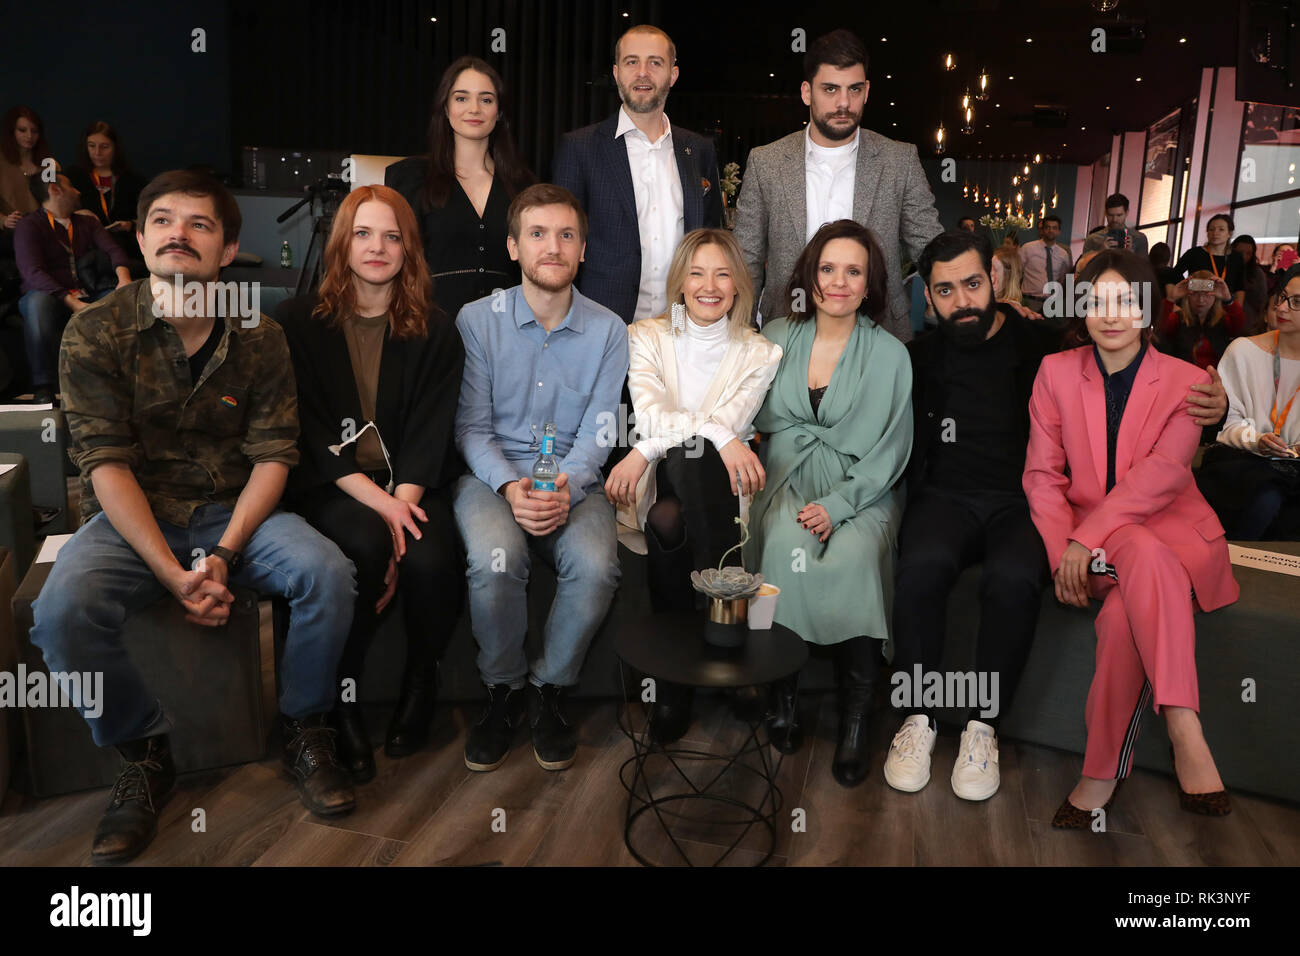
{"points": [[126, 197], [415, 404]]}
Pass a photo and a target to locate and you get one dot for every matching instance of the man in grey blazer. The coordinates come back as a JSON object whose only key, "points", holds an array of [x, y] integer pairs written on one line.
{"points": [[833, 170]]}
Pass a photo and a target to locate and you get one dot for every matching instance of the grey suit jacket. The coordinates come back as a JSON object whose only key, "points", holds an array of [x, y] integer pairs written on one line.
{"points": [[891, 197]]}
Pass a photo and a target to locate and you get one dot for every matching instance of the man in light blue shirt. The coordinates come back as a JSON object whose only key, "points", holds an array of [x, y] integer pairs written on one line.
{"points": [[537, 353]]}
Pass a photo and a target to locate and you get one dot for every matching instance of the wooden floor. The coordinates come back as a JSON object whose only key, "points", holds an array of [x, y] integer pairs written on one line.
{"points": [[428, 809]]}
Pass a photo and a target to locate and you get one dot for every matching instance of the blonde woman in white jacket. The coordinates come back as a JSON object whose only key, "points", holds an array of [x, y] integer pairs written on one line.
{"points": [[1252, 476], [697, 377]]}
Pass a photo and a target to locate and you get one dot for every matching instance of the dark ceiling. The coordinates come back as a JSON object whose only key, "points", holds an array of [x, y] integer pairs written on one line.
{"points": [[748, 56]]}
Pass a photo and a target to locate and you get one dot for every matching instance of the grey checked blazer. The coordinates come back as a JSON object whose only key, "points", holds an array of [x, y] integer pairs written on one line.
{"points": [[891, 197]]}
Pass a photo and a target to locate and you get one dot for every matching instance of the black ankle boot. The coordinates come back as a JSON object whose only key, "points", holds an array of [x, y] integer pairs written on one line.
{"points": [[858, 666], [408, 731], [671, 717], [783, 728], [131, 820], [488, 741], [353, 743], [310, 757]]}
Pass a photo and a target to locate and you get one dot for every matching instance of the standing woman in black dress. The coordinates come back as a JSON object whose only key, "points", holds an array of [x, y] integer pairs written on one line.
{"points": [[460, 191], [378, 366]]}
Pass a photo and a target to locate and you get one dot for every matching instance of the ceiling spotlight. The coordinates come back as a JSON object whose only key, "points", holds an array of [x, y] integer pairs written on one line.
{"points": [[949, 62], [940, 138], [1182, 39], [1026, 169], [965, 99], [1139, 79], [889, 76], [983, 93], [1038, 157], [1010, 77], [1029, 39]]}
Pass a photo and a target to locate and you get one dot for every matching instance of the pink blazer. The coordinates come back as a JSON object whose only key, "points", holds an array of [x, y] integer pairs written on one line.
{"points": [[1065, 466]]}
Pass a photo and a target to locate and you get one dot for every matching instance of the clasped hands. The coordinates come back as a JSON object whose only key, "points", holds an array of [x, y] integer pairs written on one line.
{"points": [[538, 512]]}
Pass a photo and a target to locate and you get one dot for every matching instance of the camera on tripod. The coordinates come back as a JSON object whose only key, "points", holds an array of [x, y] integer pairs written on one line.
{"points": [[326, 194]]}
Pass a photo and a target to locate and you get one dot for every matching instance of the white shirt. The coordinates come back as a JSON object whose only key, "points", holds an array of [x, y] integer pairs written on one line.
{"points": [[829, 174], [659, 209], [699, 354], [1247, 373]]}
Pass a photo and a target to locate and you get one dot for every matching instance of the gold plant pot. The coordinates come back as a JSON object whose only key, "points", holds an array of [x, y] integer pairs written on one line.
{"points": [[726, 624]]}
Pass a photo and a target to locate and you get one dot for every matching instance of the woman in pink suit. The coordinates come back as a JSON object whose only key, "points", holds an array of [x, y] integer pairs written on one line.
{"points": [[1109, 482]]}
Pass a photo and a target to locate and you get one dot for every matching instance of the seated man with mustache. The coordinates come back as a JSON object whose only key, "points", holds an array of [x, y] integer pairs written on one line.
{"points": [[184, 427], [972, 378]]}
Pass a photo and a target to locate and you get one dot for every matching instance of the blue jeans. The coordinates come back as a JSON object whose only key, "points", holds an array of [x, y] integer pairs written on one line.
{"points": [[99, 579], [584, 553], [44, 318]]}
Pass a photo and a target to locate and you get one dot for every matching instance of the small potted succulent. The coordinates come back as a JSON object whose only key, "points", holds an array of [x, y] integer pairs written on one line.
{"points": [[728, 590]]}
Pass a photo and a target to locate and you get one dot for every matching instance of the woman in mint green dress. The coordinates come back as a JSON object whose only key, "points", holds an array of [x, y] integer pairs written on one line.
{"points": [[838, 426]]}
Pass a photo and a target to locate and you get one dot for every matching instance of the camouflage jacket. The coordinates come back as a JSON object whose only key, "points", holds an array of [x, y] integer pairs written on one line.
{"points": [[128, 397]]}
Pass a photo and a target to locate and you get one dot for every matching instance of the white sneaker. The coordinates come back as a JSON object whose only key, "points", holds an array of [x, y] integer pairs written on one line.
{"points": [[975, 775], [907, 766]]}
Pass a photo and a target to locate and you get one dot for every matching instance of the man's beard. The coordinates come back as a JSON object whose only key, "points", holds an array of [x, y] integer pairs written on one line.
{"points": [[968, 335], [655, 102], [548, 280], [830, 132]]}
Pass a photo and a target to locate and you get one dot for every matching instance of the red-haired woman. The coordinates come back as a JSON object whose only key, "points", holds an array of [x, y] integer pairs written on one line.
{"points": [[378, 368], [463, 187]]}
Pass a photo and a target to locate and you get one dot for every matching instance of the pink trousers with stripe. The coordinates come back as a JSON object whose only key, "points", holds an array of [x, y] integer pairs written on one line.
{"points": [[1146, 644]]}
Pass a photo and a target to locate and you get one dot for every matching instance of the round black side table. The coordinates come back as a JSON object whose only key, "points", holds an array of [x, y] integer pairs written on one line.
{"points": [[675, 651]]}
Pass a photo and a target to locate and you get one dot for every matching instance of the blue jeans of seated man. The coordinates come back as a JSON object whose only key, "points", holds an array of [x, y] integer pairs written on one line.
{"points": [[44, 318], [98, 579], [584, 553]]}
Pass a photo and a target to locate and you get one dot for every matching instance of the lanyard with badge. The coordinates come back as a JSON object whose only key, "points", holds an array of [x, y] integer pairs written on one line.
{"points": [[1273, 418], [68, 246], [104, 203]]}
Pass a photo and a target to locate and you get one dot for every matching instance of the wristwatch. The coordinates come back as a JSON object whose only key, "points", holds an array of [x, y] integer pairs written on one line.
{"points": [[233, 559]]}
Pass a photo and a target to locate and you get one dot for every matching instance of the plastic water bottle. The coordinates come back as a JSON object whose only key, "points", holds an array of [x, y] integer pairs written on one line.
{"points": [[286, 255], [545, 469]]}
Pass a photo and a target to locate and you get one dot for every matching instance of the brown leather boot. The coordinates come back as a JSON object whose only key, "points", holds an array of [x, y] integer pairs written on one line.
{"points": [[324, 787], [131, 820]]}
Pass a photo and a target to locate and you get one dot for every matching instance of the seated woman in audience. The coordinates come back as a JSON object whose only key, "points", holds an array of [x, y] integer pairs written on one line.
{"points": [[1214, 256], [1284, 257], [378, 368], [22, 149], [1204, 320], [109, 189], [1253, 296], [1131, 505], [838, 425], [1252, 476], [1160, 256], [697, 377], [463, 187]]}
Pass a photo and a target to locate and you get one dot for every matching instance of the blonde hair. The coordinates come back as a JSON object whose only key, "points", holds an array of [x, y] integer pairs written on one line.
{"points": [[1213, 317], [740, 315], [1015, 273]]}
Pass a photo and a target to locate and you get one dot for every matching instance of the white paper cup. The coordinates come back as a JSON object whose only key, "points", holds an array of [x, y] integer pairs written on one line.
{"points": [[762, 607]]}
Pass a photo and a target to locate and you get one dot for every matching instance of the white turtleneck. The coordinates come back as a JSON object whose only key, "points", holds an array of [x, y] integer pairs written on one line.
{"points": [[699, 354]]}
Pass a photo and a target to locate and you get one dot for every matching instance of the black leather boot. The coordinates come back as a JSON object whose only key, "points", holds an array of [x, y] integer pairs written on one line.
{"points": [[355, 752], [671, 717], [408, 731], [783, 728], [131, 820], [324, 786], [859, 666], [668, 573]]}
